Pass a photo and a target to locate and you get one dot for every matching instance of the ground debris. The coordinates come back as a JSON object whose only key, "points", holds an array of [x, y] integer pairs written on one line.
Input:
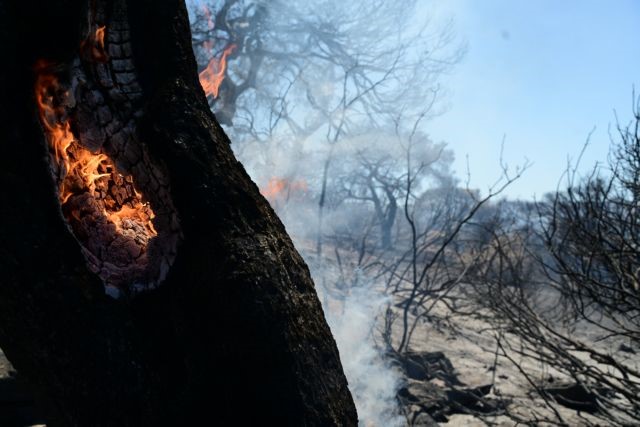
{"points": [[433, 388]]}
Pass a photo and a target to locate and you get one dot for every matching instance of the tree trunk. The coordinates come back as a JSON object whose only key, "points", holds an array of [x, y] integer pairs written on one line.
{"points": [[218, 319]]}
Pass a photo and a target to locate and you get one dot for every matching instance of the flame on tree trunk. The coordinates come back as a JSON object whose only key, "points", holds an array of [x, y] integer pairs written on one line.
{"points": [[110, 217], [116, 177]]}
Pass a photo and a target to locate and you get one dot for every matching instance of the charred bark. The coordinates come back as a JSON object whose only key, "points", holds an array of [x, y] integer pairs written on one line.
{"points": [[232, 331]]}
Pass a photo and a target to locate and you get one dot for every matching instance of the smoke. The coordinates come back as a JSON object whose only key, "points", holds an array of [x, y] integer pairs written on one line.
{"points": [[373, 383], [325, 111], [352, 302]]}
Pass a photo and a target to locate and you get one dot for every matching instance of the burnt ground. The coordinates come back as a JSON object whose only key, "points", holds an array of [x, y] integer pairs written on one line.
{"points": [[468, 349], [445, 383]]}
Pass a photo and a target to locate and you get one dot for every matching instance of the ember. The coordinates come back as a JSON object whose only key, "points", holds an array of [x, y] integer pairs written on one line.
{"points": [[96, 162]]}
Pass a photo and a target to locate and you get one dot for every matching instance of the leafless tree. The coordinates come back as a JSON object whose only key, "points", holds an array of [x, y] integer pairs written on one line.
{"points": [[371, 171], [565, 293], [427, 263], [333, 56], [319, 74]]}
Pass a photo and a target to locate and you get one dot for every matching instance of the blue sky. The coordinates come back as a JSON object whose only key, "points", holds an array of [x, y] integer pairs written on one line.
{"points": [[543, 73]]}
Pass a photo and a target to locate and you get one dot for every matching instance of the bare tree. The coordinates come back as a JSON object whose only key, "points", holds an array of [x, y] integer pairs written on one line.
{"points": [[333, 56], [371, 171], [318, 74], [427, 263], [565, 293]]}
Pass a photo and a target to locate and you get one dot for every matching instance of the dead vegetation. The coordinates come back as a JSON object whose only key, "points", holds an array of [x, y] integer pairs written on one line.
{"points": [[495, 311]]}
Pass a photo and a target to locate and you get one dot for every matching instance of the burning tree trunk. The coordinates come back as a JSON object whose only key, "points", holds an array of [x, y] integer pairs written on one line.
{"points": [[143, 279]]}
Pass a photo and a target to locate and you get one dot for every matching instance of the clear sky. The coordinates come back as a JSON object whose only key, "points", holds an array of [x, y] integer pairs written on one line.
{"points": [[543, 73]]}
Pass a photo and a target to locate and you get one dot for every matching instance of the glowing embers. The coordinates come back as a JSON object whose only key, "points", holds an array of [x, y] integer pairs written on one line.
{"points": [[106, 212]]}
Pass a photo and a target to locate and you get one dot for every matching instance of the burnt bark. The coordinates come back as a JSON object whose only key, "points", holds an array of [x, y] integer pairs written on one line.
{"points": [[234, 335]]}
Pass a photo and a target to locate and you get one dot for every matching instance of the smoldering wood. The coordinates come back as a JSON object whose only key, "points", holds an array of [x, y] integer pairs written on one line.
{"points": [[235, 334]]}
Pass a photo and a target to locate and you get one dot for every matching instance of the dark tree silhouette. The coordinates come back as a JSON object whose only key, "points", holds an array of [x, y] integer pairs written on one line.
{"points": [[222, 321]]}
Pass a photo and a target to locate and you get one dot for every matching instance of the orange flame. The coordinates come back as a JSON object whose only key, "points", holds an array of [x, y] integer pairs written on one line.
{"points": [[99, 37], [73, 160], [212, 77], [282, 188], [93, 46], [59, 133], [275, 186]]}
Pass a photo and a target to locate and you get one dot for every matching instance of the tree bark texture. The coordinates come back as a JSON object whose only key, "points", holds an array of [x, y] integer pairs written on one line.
{"points": [[233, 335]]}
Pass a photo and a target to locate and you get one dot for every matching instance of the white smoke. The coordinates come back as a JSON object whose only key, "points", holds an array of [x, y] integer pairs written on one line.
{"points": [[373, 383], [293, 150], [352, 305]]}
